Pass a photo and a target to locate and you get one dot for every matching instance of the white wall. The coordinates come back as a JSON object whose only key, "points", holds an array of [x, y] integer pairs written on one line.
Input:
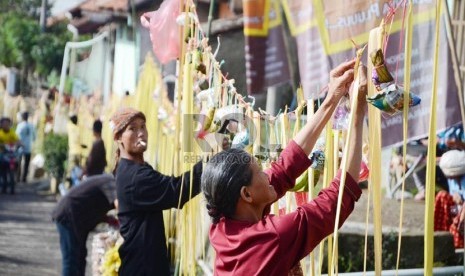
{"points": [[124, 69]]}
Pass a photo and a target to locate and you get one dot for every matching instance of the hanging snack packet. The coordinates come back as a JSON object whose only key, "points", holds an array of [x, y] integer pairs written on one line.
{"points": [[241, 140], [318, 160], [341, 115], [380, 75], [390, 98]]}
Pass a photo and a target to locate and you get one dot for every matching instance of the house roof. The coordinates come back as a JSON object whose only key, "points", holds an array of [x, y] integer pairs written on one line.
{"points": [[60, 7], [89, 24], [99, 5], [92, 14]]}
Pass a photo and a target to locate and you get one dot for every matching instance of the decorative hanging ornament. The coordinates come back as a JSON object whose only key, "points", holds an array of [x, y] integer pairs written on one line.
{"points": [[390, 98], [241, 140], [318, 160], [341, 115]]}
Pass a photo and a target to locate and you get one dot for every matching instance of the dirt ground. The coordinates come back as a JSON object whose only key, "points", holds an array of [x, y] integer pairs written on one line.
{"points": [[413, 214]]}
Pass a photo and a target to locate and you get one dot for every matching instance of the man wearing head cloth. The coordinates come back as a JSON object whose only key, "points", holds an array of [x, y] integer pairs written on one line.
{"points": [[122, 118], [143, 193]]}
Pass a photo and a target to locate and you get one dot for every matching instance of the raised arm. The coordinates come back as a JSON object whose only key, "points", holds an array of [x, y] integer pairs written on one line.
{"points": [[155, 191], [340, 80], [293, 160], [303, 229]]}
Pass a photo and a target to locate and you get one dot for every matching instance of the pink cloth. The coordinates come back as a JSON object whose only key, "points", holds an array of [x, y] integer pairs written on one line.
{"points": [[275, 244], [447, 217]]}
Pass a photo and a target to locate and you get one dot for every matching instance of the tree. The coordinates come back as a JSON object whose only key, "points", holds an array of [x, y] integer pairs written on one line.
{"points": [[24, 46], [17, 38], [48, 51], [29, 8], [56, 153]]}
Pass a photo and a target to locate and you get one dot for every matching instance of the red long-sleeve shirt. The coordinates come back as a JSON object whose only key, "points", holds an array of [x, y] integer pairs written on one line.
{"points": [[275, 244]]}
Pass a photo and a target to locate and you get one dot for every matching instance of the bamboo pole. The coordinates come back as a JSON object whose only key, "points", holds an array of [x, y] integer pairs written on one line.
{"points": [[344, 165], [311, 184], [431, 157], [374, 134], [407, 66], [328, 175]]}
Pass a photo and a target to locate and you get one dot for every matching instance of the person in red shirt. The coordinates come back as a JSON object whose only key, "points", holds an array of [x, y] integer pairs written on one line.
{"points": [[246, 238]]}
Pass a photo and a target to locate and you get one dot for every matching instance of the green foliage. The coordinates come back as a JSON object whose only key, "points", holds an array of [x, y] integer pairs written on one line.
{"points": [[24, 46], [48, 51], [389, 251], [53, 79], [350, 262], [17, 38], [29, 8], [56, 154], [352, 257]]}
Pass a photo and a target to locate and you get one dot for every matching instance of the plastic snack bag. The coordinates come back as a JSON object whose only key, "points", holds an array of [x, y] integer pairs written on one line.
{"points": [[241, 140], [164, 32], [318, 160], [390, 98], [341, 115], [364, 172]]}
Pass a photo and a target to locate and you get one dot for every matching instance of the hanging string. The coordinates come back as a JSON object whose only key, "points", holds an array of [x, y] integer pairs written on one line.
{"points": [[389, 18], [392, 10], [215, 68]]}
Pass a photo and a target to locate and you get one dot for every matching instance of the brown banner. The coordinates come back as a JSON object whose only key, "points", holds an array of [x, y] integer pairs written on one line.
{"points": [[448, 109], [356, 17], [266, 61], [325, 43], [265, 51]]}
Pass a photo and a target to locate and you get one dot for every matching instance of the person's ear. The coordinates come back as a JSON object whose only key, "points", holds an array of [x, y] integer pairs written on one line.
{"points": [[119, 143], [245, 194]]}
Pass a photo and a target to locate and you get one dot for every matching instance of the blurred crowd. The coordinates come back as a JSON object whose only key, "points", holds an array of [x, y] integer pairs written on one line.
{"points": [[449, 178], [15, 151]]}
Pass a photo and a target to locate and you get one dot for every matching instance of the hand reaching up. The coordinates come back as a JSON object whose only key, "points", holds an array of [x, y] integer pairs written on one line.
{"points": [[340, 79]]}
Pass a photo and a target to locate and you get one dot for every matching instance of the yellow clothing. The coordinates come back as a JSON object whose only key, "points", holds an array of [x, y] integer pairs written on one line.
{"points": [[74, 142], [9, 137]]}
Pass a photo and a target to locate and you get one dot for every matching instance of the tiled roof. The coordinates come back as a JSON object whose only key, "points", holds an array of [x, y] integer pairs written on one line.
{"points": [[99, 5]]}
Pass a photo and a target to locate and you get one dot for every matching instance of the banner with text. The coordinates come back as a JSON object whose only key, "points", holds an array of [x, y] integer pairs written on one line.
{"points": [[265, 51], [324, 30]]}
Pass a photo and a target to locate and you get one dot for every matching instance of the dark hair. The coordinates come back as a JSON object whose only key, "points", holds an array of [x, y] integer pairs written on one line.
{"points": [[222, 179], [5, 120], [117, 155], [97, 127], [74, 119], [25, 115]]}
